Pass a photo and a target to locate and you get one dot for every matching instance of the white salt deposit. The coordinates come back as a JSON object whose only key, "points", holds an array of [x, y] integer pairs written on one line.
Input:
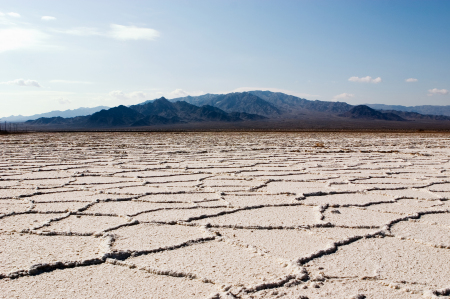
{"points": [[225, 215]]}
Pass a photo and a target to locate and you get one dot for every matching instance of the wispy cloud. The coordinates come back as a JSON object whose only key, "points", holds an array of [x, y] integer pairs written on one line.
{"points": [[21, 38], [80, 31], [179, 93], [436, 91], [367, 79], [22, 82], [410, 80], [120, 95], [63, 101], [70, 82], [13, 14], [119, 32], [48, 18], [122, 32], [343, 96]]}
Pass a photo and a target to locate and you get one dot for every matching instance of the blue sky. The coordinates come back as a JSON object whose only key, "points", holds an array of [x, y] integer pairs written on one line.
{"points": [[58, 55]]}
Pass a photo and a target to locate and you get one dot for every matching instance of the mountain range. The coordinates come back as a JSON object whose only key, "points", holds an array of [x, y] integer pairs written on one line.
{"points": [[266, 103], [425, 109], [157, 112], [256, 109], [57, 113]]}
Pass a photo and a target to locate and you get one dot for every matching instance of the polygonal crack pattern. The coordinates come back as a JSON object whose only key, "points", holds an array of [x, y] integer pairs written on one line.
{"points": [[225, 215]]}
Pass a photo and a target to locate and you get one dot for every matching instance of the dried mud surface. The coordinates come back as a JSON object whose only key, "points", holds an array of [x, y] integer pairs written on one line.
{"points": [[225, 215]]}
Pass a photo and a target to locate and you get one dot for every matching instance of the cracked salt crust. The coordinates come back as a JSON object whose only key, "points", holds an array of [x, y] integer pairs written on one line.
{"points": [[137, 190], [437, 219], [347, 199], [130, 207], [152, 236], [16, 205], [388, 181], [336, 289], [174, 215], [245, 199], [218, 261], [174, 185], [94, 180], [180, 197], [47, 183], [290, 216], [84, 224], [59, 206], [409, 193], [11, 193], [357, 217], [368, 215], [433, 235], [440, 188], [407, 207], [443, 194], [288, 244], [389, 259], [300, 177], [41, 175], [62, 196], [43, 249], [20, 222], [297, 187], [103, 281]]}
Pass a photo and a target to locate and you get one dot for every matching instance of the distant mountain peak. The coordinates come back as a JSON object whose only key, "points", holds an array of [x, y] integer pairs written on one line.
{"points": [[365, 112], [241, 102]]}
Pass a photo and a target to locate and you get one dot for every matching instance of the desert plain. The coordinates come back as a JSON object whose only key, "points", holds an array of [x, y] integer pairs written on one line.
{"points": [[225, 215]]}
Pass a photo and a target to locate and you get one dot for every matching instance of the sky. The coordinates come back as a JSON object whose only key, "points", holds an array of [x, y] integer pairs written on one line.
{"points": [[59, 55]]}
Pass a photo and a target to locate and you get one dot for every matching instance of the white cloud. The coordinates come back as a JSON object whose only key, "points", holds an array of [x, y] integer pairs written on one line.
{"points": [[297, 94], [409, 80], [121, 32], [80, 31], [13, 14], [63, 101], [137, 95], [366, 79], [48, 18], [22, 82], [70, 82], [6, 21], [118, 32], [120, 95], [436, 91], [179, 93], [343, 96], [19, 38]]}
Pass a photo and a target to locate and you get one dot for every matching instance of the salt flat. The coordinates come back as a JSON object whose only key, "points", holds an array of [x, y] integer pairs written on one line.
{"points": [[225, 215]]}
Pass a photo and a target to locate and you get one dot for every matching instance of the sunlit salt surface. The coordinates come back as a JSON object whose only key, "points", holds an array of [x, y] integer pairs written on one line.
{"points": [[225, 215]]}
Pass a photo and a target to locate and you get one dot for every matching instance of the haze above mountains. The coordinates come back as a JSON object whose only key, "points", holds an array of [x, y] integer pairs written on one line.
{"points": [[256, 109]]}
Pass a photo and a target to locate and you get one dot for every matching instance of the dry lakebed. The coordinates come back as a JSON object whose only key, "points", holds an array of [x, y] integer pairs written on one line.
{"points": [[225, 215]]}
